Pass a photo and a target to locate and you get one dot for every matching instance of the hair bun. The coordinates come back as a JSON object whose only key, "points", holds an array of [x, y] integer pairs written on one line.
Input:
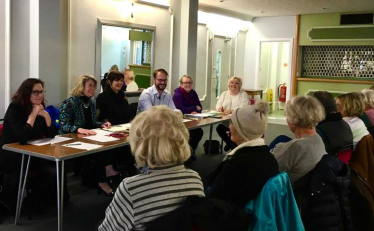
{"points": [[263, 107]]}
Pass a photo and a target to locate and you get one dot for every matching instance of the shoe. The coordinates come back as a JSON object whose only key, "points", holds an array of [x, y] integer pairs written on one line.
{"points": [[227, 148], [100, 190]]}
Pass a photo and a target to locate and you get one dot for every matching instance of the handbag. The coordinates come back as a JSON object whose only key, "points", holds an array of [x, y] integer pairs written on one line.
{"points": [[215, 147]]}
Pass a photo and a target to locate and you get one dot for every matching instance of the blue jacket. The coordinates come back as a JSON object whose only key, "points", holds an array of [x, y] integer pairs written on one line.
{"points": [[275, 207], [72, 115]]}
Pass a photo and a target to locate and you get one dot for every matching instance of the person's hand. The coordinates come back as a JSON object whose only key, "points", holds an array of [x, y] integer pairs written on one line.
{"points": [[36, 109], [228, 111], [106, 125], [198, 108], [86, 132], [193, 113], [220, 109], [43, 113]]}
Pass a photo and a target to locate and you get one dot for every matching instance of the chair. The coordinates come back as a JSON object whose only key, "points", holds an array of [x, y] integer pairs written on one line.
{"points": [[275, 207], [133, 110]]}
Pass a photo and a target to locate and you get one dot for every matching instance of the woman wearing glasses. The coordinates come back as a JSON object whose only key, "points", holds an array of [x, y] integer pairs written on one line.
{"points": [[185, 99], [78, 115], [26, 119]]}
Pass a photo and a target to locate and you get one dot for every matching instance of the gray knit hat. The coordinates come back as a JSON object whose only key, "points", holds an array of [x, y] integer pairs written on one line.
{"points": [[251, 121]]}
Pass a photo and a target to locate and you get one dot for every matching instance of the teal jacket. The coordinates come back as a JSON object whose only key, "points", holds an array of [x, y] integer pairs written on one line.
{"points": [[72, 115], [275, 207]]}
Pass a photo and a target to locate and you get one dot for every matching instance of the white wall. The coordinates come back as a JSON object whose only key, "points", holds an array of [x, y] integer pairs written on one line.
{"points": [[83, 23], [260, 29], [3, 105]]}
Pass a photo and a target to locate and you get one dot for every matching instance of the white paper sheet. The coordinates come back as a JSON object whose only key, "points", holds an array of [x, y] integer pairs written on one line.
{"points": [[199, 115], [44, 141], [186, 120], [82, 145], [101, 139], [101, 132]]}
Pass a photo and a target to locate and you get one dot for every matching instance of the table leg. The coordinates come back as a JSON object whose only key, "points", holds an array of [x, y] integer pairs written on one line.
{"points": [[210, 138], [60, 191], [22, 181]]}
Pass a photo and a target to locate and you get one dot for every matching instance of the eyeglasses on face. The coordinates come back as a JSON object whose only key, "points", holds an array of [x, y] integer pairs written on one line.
{"points": [[36, 92], [162, 80]]}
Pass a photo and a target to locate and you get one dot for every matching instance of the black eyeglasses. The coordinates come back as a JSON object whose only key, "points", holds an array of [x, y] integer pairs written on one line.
{"points": [[162, 80], [36, 92]]}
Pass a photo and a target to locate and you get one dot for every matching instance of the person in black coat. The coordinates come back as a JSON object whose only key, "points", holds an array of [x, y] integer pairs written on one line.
{"points": [[112, 106], [26, 119], [246, 169]]}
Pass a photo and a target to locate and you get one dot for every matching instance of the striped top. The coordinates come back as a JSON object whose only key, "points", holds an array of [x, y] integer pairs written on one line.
{"points": [[358, 128], [143, 198]]}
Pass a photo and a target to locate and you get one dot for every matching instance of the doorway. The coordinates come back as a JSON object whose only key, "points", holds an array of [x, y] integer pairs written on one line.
{"points": [[221, 60], [274, 73]]}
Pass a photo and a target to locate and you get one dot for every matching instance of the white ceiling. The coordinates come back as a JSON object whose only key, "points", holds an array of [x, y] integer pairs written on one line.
{"points": [[260, 8]]}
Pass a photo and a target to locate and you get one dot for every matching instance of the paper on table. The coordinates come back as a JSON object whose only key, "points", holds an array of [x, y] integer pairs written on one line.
{"points": [[83, 146], [119, 128], [101, 132], [199, 115], [44, 141], [100, 138], [186, 120]]}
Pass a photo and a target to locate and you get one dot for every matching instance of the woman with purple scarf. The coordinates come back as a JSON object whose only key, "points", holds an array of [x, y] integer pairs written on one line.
{"points": [[185, 99]]}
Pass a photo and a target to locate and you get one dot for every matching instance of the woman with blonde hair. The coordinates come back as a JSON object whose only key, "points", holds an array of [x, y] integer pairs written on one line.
{"points": [[369, 103], [351, 106], [159, 142], [129, 80], [78, 115], [299, 156], [227, 102]]}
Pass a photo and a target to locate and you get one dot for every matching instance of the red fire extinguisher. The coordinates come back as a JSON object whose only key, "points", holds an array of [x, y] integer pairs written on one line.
{"points": [[282, 90]]}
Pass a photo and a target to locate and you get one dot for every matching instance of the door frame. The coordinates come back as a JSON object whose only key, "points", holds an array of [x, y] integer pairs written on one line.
{"points": [[290, 54]]}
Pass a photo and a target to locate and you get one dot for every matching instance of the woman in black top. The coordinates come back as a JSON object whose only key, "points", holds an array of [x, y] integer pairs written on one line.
{"points": [[114, 108], [26, 119]]}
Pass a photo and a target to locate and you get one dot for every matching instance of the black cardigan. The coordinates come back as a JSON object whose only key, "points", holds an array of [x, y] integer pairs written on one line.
{"points": [[16, 129], [241, 177], [113, 107]]}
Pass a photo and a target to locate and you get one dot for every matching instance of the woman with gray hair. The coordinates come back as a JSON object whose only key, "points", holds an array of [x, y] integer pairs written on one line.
{"points": [[299, 156], [246, 169], [159, 142]]}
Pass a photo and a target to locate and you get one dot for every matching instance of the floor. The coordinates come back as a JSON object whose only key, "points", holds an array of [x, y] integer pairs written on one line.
{"points": [[86, 208]]}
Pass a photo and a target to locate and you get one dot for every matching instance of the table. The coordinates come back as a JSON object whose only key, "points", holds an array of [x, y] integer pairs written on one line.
{"points": [[253, 92], [59, 153]]}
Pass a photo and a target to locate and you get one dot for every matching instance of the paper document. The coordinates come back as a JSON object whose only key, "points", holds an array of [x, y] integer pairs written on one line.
{"points": [[44, 141], [100, 138], [119, 128], [83, 146], [101, 132], [198, 115], [186, 120]]}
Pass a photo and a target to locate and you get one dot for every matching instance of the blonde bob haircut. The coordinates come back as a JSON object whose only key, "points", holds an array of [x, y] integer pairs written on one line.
{"points": [[79, 86], [185, 76], [352, 104], [158, 137], [236, 78], [130, 73], [369, 97], [304, 111]]}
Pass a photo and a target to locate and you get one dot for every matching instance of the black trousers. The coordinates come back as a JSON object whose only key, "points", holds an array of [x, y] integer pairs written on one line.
{"points": [[224, 133], [195, 137]]}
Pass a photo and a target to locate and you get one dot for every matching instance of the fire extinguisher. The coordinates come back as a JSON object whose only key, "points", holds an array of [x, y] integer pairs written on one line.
{"points": [[282, 89]]}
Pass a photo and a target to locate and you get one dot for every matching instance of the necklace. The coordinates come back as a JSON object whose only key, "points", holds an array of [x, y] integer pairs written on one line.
{"points": [[86, 105]]}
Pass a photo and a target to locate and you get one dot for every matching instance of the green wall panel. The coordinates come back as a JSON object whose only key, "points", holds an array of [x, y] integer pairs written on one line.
{"points": [[304, 86], [319, 20], [135, 35]]}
